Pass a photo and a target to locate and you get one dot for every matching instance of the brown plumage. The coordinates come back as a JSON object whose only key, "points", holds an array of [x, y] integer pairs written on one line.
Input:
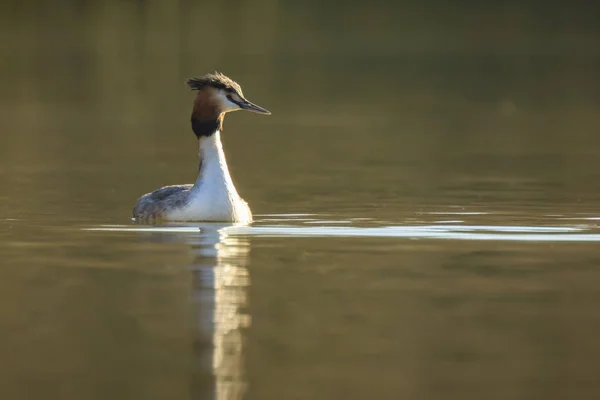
{"points": [[205, 105], [217, 81]]}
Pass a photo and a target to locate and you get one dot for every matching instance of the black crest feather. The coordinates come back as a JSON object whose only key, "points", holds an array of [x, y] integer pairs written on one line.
{"points": [[216, 80]]}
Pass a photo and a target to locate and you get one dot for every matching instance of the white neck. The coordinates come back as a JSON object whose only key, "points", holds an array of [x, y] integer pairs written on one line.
{"points": [[213, 173], [213, 197]]}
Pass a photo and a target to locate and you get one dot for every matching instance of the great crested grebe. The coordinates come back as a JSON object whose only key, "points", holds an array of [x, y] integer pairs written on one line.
{"points": [[213, 197]]}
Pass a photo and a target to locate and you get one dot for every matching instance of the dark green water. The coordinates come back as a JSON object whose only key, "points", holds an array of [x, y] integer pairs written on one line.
{"points": [[426, 194]]}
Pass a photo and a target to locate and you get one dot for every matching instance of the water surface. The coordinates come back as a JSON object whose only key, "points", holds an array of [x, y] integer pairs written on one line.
{"points": [[426, 194]]}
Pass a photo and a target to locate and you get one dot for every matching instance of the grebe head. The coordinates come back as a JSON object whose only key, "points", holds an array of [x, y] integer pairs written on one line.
{"points": [[218, 94]]}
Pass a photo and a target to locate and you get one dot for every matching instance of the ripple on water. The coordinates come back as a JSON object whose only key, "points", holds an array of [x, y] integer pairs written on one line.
{"points": [[298, 225]]}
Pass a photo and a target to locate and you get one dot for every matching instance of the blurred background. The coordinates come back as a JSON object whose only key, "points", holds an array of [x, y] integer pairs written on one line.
{"points": [[506, 93], [384, 114]]}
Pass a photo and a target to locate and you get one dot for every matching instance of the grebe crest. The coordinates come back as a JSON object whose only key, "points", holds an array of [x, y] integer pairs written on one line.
{"points": [[213, 197]]}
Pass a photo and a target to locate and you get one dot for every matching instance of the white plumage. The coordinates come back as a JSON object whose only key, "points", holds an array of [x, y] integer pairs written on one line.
{"points": [[213, 197]]}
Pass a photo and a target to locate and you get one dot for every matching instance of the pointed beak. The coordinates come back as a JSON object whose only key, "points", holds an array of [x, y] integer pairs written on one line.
{"points": [[246, 105]]}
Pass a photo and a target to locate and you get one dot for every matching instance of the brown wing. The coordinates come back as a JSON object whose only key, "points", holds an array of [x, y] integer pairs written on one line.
{"points": [[155, 204]]}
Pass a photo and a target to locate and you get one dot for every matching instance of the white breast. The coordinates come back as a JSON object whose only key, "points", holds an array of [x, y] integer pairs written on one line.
{"points": [[213, 196]]}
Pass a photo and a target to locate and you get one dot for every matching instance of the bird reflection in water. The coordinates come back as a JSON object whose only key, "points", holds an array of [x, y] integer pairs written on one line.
{"points": [[220, 282]]}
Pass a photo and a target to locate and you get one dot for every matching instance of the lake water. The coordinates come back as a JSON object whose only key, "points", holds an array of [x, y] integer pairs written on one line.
{"points": [[426, 196]]}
